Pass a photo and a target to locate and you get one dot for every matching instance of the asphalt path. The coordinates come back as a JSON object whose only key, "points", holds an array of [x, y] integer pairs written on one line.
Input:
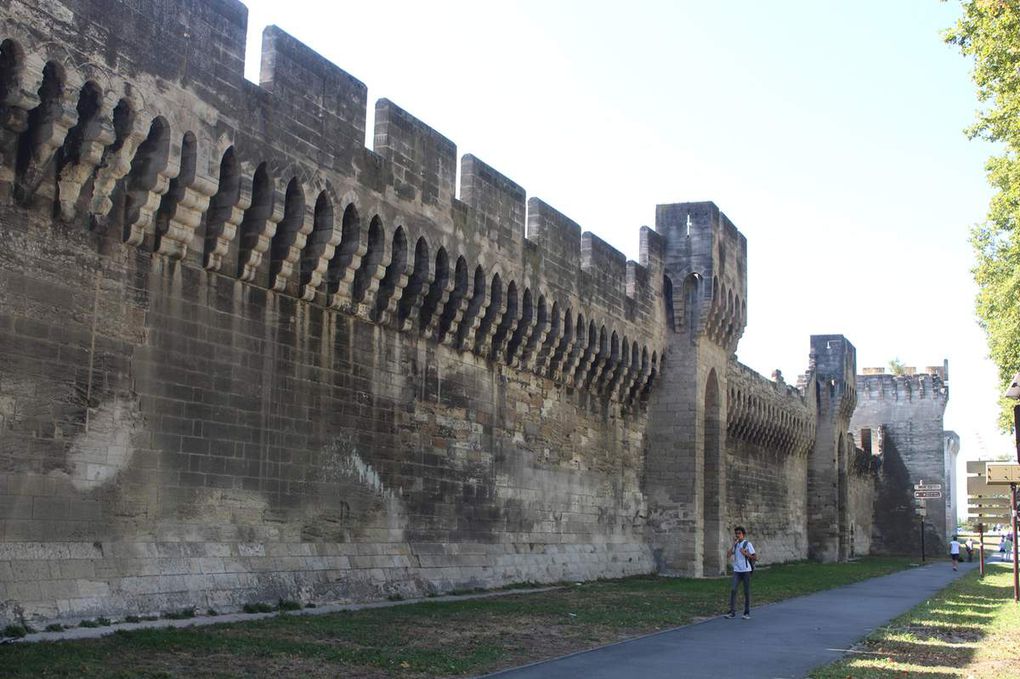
{"points": [[781, 640]]}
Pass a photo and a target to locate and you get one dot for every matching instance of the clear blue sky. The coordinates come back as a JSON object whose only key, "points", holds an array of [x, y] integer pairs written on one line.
{"points": [[830, 132]]}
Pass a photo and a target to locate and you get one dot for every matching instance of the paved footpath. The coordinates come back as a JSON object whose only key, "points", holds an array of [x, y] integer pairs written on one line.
{"points": [[781, 640]]}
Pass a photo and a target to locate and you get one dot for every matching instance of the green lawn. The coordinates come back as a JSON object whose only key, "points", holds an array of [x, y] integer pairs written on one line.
{"points": [[970, 629], [440, 638]]}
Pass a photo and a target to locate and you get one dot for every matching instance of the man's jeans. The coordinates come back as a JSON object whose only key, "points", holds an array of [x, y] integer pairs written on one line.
{"points": [[737, 578]]}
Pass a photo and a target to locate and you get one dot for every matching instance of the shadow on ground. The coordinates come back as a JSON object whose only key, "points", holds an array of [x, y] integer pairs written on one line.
{"points": [[936, 642]]}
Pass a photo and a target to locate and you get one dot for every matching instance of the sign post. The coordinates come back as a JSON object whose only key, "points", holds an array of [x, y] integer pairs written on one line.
{"points": [[981, 549], [1013, 392], [1003, 475], [1016, 570], [923, 492], [923, 559], [1016, 430], [987, 502]]}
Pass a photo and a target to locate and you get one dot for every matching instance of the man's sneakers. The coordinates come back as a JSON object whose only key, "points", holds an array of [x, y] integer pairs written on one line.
{"points": [[746, 616], [730, 615]]}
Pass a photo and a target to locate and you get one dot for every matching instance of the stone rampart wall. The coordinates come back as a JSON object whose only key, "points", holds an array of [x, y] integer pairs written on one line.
{"points": [[765, 493], [863, 473], [769, 431], [245, 357], [174, 438]]}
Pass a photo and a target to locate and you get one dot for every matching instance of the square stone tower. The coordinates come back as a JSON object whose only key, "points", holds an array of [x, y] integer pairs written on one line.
{"points": [[909, 409], [833, 366], [705, 293]]}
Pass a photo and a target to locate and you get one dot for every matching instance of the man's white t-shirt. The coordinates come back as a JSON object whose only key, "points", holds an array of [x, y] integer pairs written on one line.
{"points": [[740, 564], [954, 547]]}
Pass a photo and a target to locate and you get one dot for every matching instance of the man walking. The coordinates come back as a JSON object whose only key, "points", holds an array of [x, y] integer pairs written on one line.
{"points": [[742, 553], [954, 552]]}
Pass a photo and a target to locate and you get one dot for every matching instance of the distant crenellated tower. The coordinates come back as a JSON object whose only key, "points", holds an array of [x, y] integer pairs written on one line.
{"points": [[908, 408]]}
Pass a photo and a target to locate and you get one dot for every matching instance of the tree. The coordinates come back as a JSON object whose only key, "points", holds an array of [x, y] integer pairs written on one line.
{"points": [[896, 367], [989, 33]]}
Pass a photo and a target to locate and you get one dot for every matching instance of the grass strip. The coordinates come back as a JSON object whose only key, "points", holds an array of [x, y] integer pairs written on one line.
{"points": [[429, 639], [969, 629]]}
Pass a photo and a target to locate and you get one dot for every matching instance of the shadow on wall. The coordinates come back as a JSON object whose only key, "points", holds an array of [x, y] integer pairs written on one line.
{"points": [[896, 529]]}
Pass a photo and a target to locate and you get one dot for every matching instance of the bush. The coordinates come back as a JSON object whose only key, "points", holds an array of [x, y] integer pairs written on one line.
{"points": [[259, 607], [16, 631], [288, 605], [55, 627], [182, 614]]}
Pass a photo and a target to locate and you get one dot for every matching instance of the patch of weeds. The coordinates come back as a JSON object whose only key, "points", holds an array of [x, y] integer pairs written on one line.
{"points": [[212, 612], [471, 590], [288, 605], [16, 631], [525, 584], [149, 618], [395, 597], [260, 607], [88, 623], [132, 618], [182, 614], [54, 627], [103, 622], [310, 604]]}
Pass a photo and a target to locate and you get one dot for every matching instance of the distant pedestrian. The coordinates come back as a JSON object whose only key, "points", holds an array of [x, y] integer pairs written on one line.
{"points": [[954, 552], [1002, 548], [743, 555], [970, 549]]}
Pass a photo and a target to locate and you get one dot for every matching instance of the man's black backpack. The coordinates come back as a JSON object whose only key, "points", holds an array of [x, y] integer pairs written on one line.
{"points": [[752, 559]]}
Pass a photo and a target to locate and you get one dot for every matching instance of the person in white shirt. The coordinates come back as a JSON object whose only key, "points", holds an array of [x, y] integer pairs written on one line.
{"points": [[954, 552], [743, 555]]}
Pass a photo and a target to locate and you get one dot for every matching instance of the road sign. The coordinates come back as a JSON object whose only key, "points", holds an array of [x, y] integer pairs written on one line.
{"points": [[927, 486], [1004, 474], [978, 485], [928, 494], [988, 502], [990, 516]]}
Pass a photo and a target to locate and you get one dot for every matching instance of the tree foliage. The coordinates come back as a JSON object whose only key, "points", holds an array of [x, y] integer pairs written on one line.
{"points": [[989, 33]]}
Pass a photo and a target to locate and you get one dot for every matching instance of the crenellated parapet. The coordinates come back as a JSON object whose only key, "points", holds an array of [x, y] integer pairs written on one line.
{"points": [[172, 151], [770, 414], [910, 385]]}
